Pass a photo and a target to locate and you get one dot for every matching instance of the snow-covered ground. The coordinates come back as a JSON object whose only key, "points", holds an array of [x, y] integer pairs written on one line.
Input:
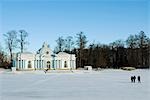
{"points": [[102, 85]]}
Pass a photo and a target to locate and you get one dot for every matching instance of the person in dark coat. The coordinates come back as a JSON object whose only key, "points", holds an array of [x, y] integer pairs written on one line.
{"points": [[46, 70], [131, 79], [134, 78], [139, 79]]}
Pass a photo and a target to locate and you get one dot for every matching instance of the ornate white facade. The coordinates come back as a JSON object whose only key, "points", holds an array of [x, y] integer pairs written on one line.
{"points": [[44, 59]]}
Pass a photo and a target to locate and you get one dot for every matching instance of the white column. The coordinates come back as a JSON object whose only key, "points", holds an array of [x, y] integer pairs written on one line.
{"points": [[70, 63], [42, 63], [62, 64], [23, 64], [37, 64], [34, 63], [59, 64], [20, 63], [16, 63], [74, 64], [54, 64]]}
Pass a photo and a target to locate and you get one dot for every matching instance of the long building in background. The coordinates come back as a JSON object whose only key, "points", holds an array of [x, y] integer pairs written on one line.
{"points": [[44, 59]]}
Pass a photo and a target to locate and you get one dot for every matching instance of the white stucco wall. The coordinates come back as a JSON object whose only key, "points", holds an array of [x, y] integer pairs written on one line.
{"points": [[45, 54]]}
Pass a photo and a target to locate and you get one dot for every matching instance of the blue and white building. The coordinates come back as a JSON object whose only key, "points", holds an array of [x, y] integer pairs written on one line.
{"points": [[43, 59]]}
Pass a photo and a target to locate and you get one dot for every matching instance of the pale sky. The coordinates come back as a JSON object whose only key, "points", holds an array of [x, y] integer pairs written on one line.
{"points": [[102, 21]]}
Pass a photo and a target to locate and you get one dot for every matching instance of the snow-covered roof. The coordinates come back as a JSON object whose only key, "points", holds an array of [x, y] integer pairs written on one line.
{"points": [[25, 53], [62, 53]]}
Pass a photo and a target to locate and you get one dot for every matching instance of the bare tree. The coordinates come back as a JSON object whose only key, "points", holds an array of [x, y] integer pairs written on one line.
{"points": [[81, 40], [81, 43], [118, 54], [69, 44], [60, 44], [3, 60], [142, 39], [1, 56], [118, 43], [132, 46], [11, 42], [22, 39], [131, 41], [143, 42]]}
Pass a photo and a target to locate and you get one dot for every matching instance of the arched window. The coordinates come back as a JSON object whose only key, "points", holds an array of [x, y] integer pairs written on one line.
{"points": [[29, 64], [65, 64], [48, 64]]}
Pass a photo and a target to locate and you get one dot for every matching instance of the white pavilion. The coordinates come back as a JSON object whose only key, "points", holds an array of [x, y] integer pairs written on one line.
{"points": [[44, 59]]}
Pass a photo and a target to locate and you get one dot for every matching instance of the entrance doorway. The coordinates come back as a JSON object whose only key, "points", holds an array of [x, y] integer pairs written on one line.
{"points": [[65, 64], [29, 64], [48, 64]]}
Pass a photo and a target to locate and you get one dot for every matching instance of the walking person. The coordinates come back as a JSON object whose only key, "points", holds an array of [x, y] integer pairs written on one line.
{"points": [[139, 79], [134, 78], [46, 70], [131, 79]]}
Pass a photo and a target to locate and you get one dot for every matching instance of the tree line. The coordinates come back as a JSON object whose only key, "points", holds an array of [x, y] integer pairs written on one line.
{"points": [[134, 51]]}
